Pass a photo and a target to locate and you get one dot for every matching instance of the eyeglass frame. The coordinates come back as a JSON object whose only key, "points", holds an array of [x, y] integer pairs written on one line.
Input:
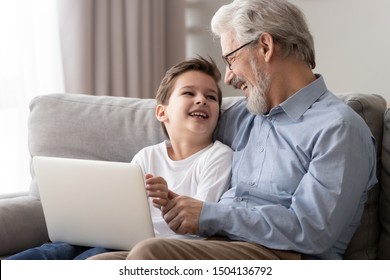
{"points": [[226, 57]]}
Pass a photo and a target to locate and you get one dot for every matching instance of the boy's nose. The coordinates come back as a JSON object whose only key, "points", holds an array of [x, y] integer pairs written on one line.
{"points": [[203, 102], [201, 99]]}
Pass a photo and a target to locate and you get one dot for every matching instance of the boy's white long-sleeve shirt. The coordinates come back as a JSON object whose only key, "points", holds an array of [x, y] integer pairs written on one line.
{"points": [[205, 175]]}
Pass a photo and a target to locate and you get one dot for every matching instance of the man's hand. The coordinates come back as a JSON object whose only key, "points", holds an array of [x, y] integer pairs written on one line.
{"points": [[182, 214]]}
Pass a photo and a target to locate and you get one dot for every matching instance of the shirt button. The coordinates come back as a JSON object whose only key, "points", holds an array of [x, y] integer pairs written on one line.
{"points": [[261, 149], [269, 118]]}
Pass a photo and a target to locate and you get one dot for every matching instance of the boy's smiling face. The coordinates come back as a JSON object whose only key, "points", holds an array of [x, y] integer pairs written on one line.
{"points": [[193, 108]]}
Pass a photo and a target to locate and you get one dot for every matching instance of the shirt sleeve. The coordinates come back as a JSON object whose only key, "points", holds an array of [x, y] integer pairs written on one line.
{"points": [[139, 159], [326, 201]]}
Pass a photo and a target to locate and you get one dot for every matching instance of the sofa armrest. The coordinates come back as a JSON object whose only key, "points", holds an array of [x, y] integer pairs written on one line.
{"points": [[384, 204], [22, 224]]}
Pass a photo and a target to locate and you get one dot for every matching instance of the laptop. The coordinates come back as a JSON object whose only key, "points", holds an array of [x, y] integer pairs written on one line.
{"points": [[93, 203]]}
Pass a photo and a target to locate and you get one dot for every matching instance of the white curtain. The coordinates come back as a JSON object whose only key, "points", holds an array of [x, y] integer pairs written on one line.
{"points": [[114, 47], [29, 65], [102, 47]]}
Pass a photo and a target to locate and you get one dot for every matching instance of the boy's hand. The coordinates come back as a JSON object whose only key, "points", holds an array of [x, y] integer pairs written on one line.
{"points": [[157, 189]]}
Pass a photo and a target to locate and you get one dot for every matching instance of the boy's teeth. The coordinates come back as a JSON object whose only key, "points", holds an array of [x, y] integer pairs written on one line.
{"points": [[198, 115]]}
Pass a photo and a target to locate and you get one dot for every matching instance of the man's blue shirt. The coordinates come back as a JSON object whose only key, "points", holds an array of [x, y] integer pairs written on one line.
{"points": [[300, 175]]}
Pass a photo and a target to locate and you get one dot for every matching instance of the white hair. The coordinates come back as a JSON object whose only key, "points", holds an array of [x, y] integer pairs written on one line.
{"points": [[248, 19]]}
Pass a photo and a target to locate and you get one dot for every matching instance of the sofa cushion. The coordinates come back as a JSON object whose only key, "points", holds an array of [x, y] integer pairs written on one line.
{"points": [[384, 204], [364, 244], [91, 127]]}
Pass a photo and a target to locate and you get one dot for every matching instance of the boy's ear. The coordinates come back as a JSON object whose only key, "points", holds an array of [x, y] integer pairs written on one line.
{"points": [[161, 113]]}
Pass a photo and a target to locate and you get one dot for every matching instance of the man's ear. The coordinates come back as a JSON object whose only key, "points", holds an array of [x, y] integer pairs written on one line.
{"points": [[267, 46], [161, 114]]}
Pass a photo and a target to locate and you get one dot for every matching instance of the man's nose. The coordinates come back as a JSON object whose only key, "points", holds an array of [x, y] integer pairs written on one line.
{"points": [[229, 75]]}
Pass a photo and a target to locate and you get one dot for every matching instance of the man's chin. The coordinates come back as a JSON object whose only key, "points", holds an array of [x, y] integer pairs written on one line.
{"points": [[246, 93], [255, 108], [250, 108]]}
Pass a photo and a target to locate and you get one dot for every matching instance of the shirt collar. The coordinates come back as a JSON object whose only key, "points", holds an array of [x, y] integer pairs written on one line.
{"points": [[296, 105]]}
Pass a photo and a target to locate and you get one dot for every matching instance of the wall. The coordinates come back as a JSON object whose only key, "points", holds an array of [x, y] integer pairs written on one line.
{"points": [[352, 39], [200, 40]]}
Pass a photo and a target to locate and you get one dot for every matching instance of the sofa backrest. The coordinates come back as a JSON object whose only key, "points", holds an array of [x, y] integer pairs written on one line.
{"points": [[115, 128], [384, 199], [364, 244], [93, 127]]}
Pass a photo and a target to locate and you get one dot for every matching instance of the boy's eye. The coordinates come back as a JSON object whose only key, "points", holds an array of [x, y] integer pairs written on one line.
{"points": [[188, 93], [212, 97]]}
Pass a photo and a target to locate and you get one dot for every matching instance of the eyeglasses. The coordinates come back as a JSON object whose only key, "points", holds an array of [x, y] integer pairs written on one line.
{"points": [[226, 58]]}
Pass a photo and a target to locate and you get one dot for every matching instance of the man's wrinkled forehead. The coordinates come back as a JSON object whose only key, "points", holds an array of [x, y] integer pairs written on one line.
{"points": [[228, 42]]}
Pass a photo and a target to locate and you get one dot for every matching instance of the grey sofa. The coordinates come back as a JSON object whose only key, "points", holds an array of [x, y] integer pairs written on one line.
{"points": [[115, 128]]}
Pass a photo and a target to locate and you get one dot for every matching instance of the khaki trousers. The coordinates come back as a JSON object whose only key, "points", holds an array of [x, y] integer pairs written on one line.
{"points": [[210, 249]]}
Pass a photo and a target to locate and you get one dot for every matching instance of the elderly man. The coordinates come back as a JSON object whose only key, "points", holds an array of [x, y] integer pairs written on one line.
{"points": [[303, 160]]}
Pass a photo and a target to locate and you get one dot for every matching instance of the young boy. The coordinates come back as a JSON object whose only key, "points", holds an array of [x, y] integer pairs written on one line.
{"points": [[188, 163], [188, 106]]}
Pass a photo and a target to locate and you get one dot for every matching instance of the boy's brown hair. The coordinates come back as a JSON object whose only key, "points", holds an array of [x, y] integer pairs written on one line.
{"points": [[193, 64]]}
